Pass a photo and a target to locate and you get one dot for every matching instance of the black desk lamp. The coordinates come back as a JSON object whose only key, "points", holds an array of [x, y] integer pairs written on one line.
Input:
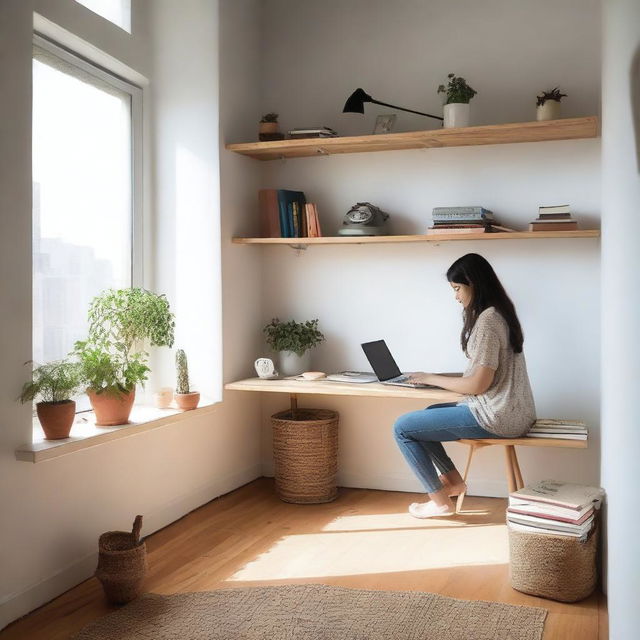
{"points": [[355, 104]]}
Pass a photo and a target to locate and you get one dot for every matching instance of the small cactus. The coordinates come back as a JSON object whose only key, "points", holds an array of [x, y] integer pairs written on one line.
{"points": [[182, 371]]}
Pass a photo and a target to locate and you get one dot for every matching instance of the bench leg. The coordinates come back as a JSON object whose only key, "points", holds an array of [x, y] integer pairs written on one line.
{"points": [[516, 468], [511, 476], [460, 499]]}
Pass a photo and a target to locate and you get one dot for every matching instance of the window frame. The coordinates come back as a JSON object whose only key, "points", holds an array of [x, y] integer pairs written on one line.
{"points": [[136, 94]]}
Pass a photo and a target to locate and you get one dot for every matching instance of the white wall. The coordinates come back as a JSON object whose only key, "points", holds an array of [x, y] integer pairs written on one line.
{"points": [[52, 513], [315, 55], [621, 310]]}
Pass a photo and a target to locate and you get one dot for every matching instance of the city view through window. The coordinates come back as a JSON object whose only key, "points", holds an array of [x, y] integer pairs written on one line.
{"points": [[82, 200]]}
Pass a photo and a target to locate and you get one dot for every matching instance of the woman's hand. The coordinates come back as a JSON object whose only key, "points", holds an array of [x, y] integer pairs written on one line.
{"points": [[421, 378]]}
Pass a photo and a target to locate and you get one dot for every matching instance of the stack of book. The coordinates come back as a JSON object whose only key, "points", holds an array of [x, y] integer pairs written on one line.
{"points": [[463, 220], [552, 507], [287, 214], [559, 429], [556, 218], [313, 132]]}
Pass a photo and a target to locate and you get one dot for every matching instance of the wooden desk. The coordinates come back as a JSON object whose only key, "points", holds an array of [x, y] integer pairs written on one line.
{"points": [[326, 387]]}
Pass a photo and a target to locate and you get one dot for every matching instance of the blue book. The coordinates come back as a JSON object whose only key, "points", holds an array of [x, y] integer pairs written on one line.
{"points": [[286, 198]]}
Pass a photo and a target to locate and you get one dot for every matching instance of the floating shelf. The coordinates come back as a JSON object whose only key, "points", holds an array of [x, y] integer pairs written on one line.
{"points": [[515, 235], [563, 129]]}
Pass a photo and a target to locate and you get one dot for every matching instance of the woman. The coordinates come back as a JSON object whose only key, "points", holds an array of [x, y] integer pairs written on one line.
{"points": [[498, 402]]}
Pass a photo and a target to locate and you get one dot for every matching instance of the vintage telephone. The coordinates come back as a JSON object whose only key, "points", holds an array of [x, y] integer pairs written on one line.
{"points": [[364, 219]]}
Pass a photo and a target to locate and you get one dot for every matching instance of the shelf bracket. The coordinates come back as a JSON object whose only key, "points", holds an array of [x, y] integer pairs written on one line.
{"points": [[298, 248]]}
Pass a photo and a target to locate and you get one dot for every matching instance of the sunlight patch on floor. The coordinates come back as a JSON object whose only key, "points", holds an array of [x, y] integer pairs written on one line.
{"points": [[396, 521], [365, 552]]}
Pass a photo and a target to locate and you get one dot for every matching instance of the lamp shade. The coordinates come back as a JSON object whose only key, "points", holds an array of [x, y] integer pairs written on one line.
{"points": [[355, 102]]}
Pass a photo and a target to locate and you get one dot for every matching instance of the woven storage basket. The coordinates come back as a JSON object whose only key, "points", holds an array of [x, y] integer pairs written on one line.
{"points": [[305, 451], [557, 567], [122, 563]]}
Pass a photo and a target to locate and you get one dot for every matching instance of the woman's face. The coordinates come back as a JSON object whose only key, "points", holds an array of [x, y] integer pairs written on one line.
{"points": [[464, 293]]}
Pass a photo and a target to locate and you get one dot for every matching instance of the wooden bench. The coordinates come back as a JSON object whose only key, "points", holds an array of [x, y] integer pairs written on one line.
{"points": [[514, 475]]}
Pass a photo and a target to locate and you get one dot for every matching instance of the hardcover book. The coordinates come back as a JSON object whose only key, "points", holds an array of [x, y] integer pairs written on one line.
{"points": [[564, 494]]}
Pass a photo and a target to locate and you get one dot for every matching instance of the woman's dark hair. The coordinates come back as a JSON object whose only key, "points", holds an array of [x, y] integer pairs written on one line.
{"points": [[472, 269]]}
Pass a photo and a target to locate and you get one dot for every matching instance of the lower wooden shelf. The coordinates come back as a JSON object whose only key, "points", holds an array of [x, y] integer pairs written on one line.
{"points": [[515, 235]]}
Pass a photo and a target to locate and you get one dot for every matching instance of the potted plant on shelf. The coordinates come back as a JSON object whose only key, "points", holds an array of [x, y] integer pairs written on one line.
{"points": [[457, 96], [185, 398], [112, 359], [548, 104], [269, 129], [54, 383], [293, 340]]}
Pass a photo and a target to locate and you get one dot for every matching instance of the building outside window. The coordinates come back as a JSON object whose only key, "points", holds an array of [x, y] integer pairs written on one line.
{"points": [[86, 193]]}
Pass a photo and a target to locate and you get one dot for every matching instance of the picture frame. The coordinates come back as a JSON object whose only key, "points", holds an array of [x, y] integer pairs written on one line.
{"points": [[384, 123]]}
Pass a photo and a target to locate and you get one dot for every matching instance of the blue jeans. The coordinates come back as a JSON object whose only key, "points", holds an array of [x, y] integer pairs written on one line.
{"points": [[420, 433]]}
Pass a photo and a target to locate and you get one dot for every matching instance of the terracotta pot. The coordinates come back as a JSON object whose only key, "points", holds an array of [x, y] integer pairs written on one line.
{"points": [[187, 401], [268, 127], [56, 418], [111, 409]]}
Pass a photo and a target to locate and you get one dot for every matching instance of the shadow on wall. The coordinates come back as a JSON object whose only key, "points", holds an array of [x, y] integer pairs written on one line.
{"points": [[635, 101]]}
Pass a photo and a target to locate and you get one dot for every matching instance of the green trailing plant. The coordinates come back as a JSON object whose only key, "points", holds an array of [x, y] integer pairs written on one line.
{"points": [[121, 322], [552, 94], [269, 117], [293, 336], [182, 372], [457, 90], [53, 382]]}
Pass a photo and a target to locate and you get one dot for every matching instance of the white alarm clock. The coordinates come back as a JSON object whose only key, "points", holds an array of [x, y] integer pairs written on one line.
{"points": [[265, 368]]}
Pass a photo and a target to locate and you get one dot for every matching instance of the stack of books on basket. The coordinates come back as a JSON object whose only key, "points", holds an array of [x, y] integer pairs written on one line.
{"points": [[557, 218], [552, 507], [558, 429], [284, 213], [463, 220]]}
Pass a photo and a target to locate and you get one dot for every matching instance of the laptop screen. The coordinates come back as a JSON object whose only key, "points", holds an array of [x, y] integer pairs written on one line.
{"points": [[381, 360]]}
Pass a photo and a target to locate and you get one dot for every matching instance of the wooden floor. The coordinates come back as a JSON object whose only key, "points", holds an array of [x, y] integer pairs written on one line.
{"points": [[365, 539]]}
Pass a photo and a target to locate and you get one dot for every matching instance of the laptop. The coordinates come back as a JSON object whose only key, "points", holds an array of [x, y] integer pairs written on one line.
{"points": [[385, 366]]}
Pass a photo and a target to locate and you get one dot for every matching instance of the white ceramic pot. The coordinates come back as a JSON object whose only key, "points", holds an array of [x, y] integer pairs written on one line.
{"points": [[291, 364], [456, 114], [550, 110]]}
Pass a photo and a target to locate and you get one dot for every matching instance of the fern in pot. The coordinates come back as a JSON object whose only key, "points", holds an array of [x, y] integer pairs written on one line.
{"points": [[458, 94], [53, 386], [293, 341], [112, 359]]}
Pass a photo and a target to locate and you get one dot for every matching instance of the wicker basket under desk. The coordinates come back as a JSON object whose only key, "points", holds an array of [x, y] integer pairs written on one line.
{"points": [[557, 567], [305, 451]]}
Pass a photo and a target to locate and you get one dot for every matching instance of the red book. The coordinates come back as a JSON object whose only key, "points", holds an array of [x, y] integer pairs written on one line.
{"points": [[269, 213]]}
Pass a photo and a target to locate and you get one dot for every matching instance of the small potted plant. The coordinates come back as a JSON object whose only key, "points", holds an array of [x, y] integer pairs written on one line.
{"points": [[112, 359], [457, 96], [185, 398], [54, 383], [269, 129], [293, 340], [548, 104]]}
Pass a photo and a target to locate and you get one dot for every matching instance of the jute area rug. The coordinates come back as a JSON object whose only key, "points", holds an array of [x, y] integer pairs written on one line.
{"points": [[315, 612]]}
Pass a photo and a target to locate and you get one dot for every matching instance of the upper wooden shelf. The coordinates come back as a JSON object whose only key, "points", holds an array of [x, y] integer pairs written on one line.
{"points": [[563, 129], [441, 237]]}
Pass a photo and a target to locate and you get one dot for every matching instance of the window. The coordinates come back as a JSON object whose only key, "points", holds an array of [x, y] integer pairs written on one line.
{"points": [[86, 193], [116, 11]]}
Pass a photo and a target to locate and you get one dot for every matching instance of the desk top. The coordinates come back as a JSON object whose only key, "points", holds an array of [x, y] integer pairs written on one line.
{"points": [[327, 387]]}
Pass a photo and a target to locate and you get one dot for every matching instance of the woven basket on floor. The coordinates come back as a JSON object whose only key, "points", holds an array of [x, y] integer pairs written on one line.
{"points": [[305, 451], [122, 563], [557, 567]]}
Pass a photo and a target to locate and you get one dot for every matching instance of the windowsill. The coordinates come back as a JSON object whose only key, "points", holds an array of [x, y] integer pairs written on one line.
{"points": [[85, 433]]}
